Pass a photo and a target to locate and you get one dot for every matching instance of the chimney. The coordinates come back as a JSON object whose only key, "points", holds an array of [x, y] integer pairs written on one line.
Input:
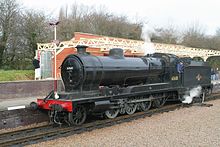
{"points": [[81, 49]]}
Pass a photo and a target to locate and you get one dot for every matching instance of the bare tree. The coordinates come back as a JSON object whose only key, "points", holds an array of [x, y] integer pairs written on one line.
{"points": [[214, 41], [194, 36], [35, 28], [81, 18], [167, 34], [217, 32], [30, 28], [8, 12], [64, 30]]}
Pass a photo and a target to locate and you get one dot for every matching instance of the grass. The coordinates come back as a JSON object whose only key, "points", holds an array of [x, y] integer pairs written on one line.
{"points": [[15, 75]]}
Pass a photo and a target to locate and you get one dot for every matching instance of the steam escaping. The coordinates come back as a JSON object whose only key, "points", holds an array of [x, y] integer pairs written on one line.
{"points": [[148, 46], [195, 92]]}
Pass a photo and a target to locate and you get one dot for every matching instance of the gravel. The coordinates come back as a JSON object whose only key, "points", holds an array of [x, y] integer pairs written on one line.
{"points": [[194, 126], [23, 127]]}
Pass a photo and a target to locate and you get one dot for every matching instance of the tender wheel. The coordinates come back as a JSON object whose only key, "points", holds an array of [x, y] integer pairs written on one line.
{"points": [[77, 117], [199, 99], [111, 113], [159, 102], [145, 105], [130, 108]]}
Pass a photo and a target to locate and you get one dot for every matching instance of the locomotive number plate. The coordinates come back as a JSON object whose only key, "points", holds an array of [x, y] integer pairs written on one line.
{"points": [[174, 78]]}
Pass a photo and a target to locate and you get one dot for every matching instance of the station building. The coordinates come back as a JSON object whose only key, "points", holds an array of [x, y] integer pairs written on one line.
{"points": [[100, 45]]}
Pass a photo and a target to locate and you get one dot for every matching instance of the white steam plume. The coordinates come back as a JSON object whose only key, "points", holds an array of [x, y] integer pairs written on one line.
{"points": [[148, 46], [195, 92]]}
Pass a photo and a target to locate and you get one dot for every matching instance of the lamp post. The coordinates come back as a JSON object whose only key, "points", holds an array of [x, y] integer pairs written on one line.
{"points": [[54, 24]]}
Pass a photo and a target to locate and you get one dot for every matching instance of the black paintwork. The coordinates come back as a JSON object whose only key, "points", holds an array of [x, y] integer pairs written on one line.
{"points": [[85, 72], [196, 74], [103, 82]]}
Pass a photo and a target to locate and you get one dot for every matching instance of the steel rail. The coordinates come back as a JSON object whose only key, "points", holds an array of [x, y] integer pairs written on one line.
{"points": [[44, 133]]}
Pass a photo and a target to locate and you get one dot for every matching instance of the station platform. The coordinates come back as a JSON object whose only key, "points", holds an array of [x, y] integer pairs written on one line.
{"points": [[22, 93], [16, 103]]}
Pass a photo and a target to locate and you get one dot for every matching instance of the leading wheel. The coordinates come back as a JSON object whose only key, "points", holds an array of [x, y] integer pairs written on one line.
{"points": [[111, 113], [77, 117]]}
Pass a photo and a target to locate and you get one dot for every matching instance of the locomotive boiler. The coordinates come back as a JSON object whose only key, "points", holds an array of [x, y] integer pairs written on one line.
{"points": [[86, 72]]}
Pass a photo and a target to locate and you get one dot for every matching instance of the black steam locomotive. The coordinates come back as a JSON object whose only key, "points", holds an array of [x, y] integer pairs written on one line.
{"points": [[115, 84]]}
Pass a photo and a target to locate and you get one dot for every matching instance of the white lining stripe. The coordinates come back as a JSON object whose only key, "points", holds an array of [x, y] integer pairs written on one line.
{"points": [[16, 107]]}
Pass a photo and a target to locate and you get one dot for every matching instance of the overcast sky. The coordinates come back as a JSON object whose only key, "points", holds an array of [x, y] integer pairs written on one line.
{"points": [[180, 13]]}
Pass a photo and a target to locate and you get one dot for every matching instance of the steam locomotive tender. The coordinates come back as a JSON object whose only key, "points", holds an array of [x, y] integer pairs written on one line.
{"points": [[115, 84]]}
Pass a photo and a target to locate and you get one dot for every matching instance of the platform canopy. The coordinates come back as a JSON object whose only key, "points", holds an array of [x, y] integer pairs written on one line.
{"points": [[100, 46]]}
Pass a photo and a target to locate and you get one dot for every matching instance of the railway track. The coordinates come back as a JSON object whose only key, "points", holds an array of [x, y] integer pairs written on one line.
{"points": [[45, 133], [39, 134]]}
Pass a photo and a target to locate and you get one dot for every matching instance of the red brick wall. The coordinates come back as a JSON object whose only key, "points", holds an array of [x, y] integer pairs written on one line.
{"points": [[67, 51]]}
